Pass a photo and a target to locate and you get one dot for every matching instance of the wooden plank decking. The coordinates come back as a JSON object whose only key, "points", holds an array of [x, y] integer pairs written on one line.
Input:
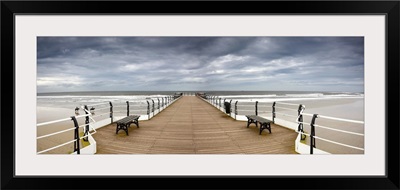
{"points": [[192, 126]]}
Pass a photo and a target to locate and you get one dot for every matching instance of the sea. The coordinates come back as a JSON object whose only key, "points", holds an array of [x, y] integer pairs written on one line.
{"points": [[71, 100]]}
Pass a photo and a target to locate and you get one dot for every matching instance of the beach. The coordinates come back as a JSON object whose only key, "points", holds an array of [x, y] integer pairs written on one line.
{"points": [[53, 107]]}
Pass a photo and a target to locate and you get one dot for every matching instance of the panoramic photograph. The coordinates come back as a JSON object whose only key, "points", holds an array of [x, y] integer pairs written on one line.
{"points": [[200, 95]]}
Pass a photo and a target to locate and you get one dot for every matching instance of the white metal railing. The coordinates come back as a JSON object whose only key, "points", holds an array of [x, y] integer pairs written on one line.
{"points": [[98, 115], [75, 128], [97, 109], [339, 130], [66, 143], [288, 115], [148, 107], [313, 135], [284, 103], [215, 101], [55, 133], [102, 103], [333, 142], [340, 119], [57, 121], [290, 109]]}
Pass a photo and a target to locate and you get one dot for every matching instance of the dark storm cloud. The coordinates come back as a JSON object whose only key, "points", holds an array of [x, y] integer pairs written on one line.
{"points": [[200, 63]]}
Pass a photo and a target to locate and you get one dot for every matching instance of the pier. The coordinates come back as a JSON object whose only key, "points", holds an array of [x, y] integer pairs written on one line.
{"points": [[192, 126]]}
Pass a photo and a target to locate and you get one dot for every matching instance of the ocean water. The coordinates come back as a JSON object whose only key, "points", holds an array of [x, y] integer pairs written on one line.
{"points": [[312, 100]]}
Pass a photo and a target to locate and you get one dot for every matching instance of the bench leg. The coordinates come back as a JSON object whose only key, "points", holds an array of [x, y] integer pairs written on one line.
{"points": [[126, 129], [122, 127], [116, 132], [136, 122], [265, 126], [250, 121]]}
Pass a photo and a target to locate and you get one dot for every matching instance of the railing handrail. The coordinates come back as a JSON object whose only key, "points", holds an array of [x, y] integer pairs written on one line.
{"points": [[59, 120], [335, 118], [341, 119], [55, 133], [285, 114], [102, 108], [339, 130], [102, 103], [334, 142], [98, 115], [291, 109], [285, 103]]}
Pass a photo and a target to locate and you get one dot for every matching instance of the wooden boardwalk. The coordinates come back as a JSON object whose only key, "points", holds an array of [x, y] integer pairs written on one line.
{"points": [[192, 126]]}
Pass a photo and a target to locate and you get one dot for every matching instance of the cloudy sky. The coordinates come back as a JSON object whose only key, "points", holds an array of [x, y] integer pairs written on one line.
{"points": [[200, 63]]}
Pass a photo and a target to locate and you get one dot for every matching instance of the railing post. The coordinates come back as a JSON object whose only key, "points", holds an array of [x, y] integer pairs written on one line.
{"points": [[148, 109], [256, 107], [76, 135], [312, 139], [230, 109], [162, 102], [111, 112], [152, 110], [224, 102], [236, 109], [127, 108], [158, 105], [300, 120], [273, 112], [220, 102], [87, 124]]}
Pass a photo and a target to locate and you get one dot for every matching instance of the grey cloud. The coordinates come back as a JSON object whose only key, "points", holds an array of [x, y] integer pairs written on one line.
{"points": [[202, 63]]}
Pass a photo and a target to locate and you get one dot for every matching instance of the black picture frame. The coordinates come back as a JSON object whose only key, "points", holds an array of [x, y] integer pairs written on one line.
{"points": [[11, 8]]}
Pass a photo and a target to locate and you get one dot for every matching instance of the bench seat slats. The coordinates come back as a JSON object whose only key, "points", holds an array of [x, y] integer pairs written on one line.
{"points": [[126, 122], [264, 123]]}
